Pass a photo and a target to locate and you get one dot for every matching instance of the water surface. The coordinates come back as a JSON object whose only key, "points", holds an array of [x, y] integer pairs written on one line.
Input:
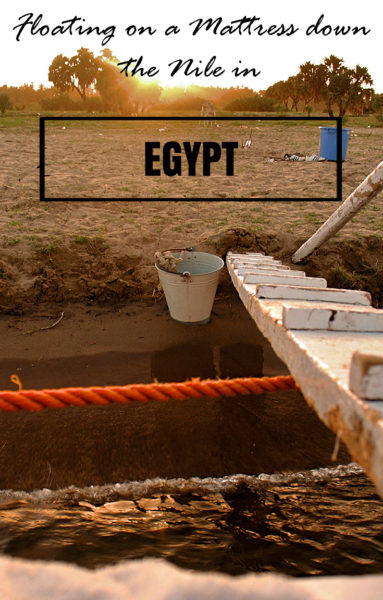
{"points": [[318, 522]]}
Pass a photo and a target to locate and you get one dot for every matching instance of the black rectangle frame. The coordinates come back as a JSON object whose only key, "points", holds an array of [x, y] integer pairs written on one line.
{"points": [[338, 121]]}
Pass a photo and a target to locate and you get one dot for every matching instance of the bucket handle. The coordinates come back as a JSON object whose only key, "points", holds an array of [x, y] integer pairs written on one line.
{"points": [[190, 249], [186, 276]]}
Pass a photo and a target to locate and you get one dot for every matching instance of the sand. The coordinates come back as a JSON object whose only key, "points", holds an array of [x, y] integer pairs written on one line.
{"points": [[100, 161], [103, 252]]}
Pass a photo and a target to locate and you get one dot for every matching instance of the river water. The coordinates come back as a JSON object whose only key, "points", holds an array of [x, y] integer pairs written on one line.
{"points": [[325, 521]]}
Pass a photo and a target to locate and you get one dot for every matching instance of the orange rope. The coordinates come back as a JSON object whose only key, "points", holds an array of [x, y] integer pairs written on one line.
{"points": [[211, 388]]}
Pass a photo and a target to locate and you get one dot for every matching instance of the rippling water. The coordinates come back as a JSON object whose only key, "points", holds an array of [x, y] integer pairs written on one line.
{"points": [[325, 521]]}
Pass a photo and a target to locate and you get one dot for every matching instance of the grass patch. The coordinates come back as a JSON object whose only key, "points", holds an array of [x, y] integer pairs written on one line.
{"points": [[46, 249], [29, 120], [11, 241], [375, 241], [342, 278], [312, 218], [82, 239], [93, 243]]}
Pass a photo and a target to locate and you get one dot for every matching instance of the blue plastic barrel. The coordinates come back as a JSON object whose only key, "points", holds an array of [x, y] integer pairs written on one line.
{"points": [[328, 145]]}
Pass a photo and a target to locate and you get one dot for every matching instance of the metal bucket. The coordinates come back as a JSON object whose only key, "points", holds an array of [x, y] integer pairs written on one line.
{"points": [[190, 291]]}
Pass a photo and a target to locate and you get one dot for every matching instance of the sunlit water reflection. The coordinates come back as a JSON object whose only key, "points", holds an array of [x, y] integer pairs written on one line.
{"points": [[325, 521]]}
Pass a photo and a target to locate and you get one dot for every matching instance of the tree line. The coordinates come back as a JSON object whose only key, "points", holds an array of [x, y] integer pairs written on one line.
{"points": [[98, 85], [331, 83]]}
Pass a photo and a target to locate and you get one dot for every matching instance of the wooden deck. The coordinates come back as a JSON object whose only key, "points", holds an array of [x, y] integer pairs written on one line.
{"points": [[332, 342]]}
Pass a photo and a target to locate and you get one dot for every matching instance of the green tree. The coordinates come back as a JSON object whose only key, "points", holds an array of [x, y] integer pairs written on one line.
{"points": [[5, 102], [293, 87], [255, 103], [116, 91], [85, 69], [336, 85], [344, 87], [361, 95], [308, 109], [312, 79], [377, 103], [279, 91], [77, 73], [60, 73]]}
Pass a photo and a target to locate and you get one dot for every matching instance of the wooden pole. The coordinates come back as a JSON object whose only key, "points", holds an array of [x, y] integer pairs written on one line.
{"points": [[363, 194]]}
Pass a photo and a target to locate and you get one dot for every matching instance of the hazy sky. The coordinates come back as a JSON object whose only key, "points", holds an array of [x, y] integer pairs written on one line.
{"points": [[275, 57]]}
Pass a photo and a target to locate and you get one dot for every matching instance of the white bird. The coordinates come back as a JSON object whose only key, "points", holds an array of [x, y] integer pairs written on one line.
{"points": [[248, 142]]}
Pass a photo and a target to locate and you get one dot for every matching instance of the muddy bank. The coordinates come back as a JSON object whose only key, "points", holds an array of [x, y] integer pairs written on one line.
{"points": [[139, 343], [205, 438], [95, 272], [351, 263]]}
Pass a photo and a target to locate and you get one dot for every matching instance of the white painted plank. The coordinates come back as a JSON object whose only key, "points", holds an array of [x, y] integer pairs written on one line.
{"points": [[332, 351], [252, 270], [251, 257], [332, 319], [320, 362], [280, 279], [257, 263], [232, 255], [238, 264], [254, 260], [325, 305], [275, 307], [303, 293]]}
